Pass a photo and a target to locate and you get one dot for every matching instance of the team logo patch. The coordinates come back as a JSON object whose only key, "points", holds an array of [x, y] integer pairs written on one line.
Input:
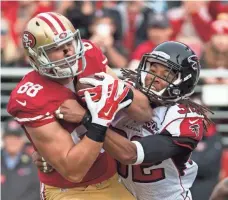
{"points": [[62, 35], [195, 129], [28, 40], [193, 60]]}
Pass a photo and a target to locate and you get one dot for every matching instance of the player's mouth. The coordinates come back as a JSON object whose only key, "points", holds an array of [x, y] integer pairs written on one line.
{"points": [[152, 87]]}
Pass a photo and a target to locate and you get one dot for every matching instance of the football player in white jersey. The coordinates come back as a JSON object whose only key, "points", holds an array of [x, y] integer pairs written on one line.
{"points": [[157, 163], [154, 158]]}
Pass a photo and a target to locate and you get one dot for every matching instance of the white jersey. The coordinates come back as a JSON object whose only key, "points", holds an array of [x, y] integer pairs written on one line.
{"points": [[172, 178]]}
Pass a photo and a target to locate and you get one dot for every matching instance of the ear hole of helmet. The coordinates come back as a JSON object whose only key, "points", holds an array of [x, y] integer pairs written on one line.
{"points": [[37, 23], [187, 87]]}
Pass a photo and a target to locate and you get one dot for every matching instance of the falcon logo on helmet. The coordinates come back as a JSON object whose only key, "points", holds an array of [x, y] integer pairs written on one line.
{"points": [[194, 61]]}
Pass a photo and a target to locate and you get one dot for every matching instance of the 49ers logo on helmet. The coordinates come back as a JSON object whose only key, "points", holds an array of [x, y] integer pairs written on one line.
{"points": [[62, 35], [28, 40]]}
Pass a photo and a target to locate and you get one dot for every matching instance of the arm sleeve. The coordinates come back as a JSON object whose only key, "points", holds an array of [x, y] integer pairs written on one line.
{"points": [[161, 147]]}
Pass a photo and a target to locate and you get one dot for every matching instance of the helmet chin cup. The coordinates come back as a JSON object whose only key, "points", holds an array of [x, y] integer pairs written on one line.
{"points": [[67, 72]]}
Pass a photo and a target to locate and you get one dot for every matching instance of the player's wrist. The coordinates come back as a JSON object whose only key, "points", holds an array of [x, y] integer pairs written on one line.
{"points": [[87, 119], [95, 132]]}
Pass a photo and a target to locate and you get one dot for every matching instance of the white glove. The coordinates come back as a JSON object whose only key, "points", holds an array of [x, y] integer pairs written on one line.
{"points": [[104, 110], [105, 79]]}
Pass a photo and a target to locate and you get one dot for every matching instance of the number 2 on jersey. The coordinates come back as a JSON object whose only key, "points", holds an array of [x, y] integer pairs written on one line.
{"points": [[30, 89], [143, 173]]}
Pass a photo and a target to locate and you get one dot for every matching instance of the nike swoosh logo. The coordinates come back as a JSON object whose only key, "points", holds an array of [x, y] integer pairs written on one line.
{"points": [[107, 113], [22, 103], [194, 121]]}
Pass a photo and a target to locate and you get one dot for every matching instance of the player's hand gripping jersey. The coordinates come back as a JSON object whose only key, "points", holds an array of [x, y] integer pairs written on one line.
{"points": [[169, 179], [34, 101]]}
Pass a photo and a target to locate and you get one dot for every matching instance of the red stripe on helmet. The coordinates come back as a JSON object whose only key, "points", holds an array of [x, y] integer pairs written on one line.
{"points": [[49, 24], [59, 22]]}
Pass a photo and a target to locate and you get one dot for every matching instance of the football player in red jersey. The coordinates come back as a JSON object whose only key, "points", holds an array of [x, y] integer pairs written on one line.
{"points": [[156, 164], [58, 55]]}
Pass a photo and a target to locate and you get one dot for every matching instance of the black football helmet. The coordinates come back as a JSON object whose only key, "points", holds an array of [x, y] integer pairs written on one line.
{"points": [[181, 61]]}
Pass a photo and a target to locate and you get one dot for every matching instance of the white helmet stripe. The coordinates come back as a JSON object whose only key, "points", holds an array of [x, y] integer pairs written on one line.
{"points": [[51, 22]]}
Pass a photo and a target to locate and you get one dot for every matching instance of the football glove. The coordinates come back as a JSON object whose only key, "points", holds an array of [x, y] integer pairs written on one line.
{"points": [[111, 101], [104, 79]]}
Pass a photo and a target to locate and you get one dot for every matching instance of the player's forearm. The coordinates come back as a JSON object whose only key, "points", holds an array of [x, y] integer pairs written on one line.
{"points": [[120, 148], [140, 109], [80, 159], [55, 144], [82, 156]]}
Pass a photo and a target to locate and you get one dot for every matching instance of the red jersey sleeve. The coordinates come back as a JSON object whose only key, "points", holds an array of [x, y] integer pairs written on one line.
{"points": [[96, 61]]}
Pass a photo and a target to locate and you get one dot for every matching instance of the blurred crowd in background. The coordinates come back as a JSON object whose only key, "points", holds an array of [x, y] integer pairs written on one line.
{"points": [[125, 30]]}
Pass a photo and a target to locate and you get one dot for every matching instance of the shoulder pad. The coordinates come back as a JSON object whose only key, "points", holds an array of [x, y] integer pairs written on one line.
{"points": [[182, 122]]}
